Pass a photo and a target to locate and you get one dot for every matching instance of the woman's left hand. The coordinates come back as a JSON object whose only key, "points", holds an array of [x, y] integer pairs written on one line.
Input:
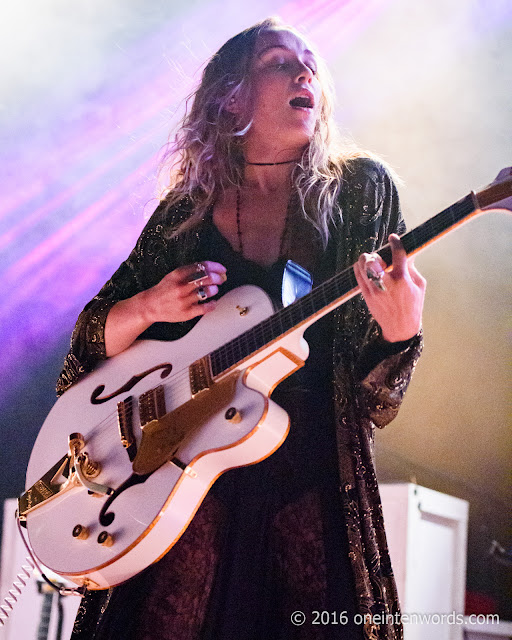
{"points": [[394, 298]]}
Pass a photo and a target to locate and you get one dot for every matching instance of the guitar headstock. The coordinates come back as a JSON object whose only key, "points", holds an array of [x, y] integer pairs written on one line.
{"points": [[498, 195]]}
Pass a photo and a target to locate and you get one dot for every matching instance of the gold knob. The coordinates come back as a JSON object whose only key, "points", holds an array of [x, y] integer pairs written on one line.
{"points": [[105, 539], [243, 311], [76, 443], [80, 532], [233, 415]]}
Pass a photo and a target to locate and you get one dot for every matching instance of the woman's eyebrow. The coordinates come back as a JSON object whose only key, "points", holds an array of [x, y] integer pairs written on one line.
{"points": [[280, 46]]}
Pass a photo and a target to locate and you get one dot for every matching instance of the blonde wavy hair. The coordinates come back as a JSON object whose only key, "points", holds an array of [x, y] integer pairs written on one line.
{"points": [[206, 155]]}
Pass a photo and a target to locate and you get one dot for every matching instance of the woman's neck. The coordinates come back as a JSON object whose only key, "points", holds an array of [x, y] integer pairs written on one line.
{"points": [[268, 179], [273, 169]]}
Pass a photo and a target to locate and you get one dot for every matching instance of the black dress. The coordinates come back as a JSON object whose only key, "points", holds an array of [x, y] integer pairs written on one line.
{"points": [[269, 539]]}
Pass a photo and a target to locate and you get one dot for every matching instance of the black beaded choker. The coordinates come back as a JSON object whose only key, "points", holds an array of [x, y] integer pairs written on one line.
{"points": [[271, 164]]}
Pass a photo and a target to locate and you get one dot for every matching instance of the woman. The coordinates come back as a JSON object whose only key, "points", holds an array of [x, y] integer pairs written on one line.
{"points": [[258, 181]]}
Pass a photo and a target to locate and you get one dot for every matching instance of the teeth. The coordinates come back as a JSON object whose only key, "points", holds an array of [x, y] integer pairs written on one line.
{"points": [[301, 101]]}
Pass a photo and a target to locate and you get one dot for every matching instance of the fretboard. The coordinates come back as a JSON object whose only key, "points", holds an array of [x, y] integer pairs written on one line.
{"points": [[337, 288]]}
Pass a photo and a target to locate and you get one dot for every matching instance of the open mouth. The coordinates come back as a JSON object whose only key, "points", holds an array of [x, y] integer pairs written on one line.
{"points": [[301, 102]]}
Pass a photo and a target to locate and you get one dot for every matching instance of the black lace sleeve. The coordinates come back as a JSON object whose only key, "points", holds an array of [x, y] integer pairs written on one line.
{"points": [[380, 371], [383, 386], [153, 256]]}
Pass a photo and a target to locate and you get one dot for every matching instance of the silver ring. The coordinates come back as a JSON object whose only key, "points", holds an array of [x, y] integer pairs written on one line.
{"points": [[376, 279], [201, 294]]}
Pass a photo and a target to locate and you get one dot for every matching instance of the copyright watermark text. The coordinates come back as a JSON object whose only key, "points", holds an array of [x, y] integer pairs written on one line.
{"points": [[299, 618]]}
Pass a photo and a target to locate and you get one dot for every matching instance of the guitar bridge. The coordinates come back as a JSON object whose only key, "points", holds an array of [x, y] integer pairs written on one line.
{"points": [[125, 424]]}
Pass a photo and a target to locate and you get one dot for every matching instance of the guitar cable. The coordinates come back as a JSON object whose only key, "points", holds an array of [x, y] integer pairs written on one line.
{"points": [[15, 591], [23, 578]]}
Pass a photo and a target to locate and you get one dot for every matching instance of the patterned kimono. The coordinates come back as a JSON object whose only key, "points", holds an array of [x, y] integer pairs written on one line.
{"points": [[369, 379]]}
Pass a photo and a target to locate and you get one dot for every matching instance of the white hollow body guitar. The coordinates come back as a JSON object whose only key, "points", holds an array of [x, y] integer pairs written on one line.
{"points": [[126, 456]]}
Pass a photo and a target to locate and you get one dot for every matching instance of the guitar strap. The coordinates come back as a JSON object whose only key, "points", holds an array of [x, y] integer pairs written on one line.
{"points": [[297, 281]]}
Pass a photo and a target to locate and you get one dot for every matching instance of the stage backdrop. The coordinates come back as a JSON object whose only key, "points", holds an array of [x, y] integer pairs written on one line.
{"points": [[88, 94]]}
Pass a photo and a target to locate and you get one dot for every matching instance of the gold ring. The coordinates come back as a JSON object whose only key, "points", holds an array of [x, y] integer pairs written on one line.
{"points": [[199, 275]]}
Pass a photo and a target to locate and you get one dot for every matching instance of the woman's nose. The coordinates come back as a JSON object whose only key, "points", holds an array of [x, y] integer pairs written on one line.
{"points": [[304, 73]]}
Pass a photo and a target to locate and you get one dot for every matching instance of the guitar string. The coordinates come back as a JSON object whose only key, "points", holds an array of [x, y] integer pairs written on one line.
{"points": [[178, 382], [341, 283]]}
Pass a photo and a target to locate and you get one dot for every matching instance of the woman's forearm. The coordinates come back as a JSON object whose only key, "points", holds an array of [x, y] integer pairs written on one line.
{"points": [[125, 322], [173, 299]]}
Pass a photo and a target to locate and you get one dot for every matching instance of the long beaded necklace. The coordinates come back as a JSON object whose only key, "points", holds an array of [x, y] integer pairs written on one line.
{"points": [[284, 233], [239, 198]]}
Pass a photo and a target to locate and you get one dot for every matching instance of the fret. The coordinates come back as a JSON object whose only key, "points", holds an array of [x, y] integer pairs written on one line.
{"points": [[309, 302], [240, 349], [318, 300], [297, 310], [288, 318], [251, 343], [258, 329], [323, 291], [266, 333]]}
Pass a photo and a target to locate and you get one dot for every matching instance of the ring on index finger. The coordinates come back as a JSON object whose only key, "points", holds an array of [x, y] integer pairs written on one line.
{"points": [[376, 279]]}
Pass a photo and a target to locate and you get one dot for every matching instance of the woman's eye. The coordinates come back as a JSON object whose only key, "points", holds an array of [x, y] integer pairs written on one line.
{"points": [[284, 65]]}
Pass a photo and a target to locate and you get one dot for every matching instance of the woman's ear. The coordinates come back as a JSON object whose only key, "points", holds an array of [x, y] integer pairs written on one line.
{"points": [[233, 106]]}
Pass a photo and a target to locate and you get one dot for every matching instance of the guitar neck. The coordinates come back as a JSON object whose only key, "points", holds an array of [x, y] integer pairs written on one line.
{"points": [[434, 228], [333, 292]]}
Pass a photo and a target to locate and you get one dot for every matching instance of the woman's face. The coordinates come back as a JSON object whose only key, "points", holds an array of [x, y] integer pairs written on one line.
{"points": [[285, 91]]}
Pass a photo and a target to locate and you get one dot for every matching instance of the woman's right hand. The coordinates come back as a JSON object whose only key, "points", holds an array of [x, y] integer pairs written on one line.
{"points": [[183, 293]]}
